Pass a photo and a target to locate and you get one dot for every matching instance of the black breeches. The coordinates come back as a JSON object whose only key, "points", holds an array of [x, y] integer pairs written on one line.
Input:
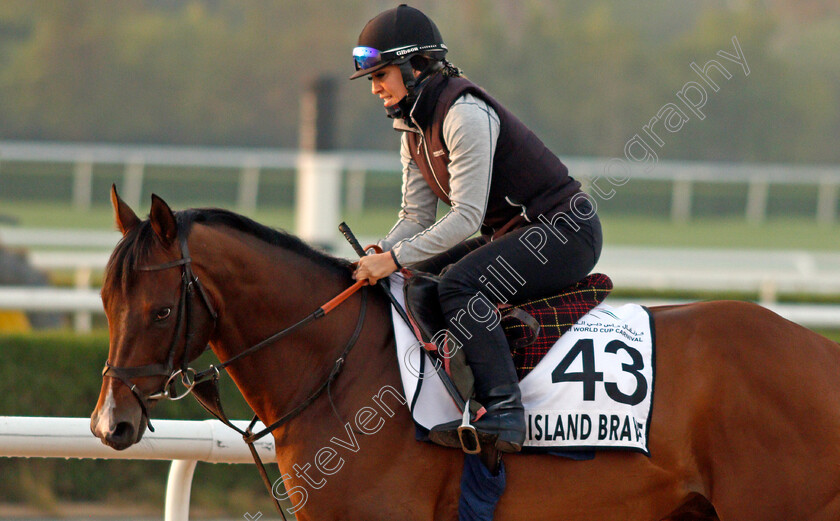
{"points": [[535, 261]]}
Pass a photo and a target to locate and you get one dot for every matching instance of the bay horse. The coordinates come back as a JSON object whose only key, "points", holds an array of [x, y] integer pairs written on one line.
{"points": [[745, 421]]}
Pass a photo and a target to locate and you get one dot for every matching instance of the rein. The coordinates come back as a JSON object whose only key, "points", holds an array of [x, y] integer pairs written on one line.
{"points": [[204, 385]]}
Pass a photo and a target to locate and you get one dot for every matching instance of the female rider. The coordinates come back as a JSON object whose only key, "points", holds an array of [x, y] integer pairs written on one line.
{"points": [[538, 230]]}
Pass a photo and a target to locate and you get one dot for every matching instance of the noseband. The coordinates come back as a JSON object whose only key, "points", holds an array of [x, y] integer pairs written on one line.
{"points": [[189, 285]]}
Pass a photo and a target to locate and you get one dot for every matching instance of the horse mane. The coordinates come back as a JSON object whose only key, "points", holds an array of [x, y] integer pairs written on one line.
{"points": [[134, 248]]}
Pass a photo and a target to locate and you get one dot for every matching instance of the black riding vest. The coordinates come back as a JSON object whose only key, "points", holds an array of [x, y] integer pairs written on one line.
{"points": [[527, 178]]}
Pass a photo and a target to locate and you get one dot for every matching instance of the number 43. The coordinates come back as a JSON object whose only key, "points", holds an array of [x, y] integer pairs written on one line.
{"points": [[589, 376]]}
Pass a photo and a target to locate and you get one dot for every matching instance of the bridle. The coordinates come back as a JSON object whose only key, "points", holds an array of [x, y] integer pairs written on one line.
{"points": [[204, 385], [189, 285]]}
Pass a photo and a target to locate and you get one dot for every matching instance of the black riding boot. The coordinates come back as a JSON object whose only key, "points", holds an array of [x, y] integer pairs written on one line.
{"points": [[503, 425]]}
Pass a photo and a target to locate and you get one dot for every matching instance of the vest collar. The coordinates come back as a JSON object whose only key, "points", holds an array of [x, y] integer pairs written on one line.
{"points": [[400, 125], [424, 106]]}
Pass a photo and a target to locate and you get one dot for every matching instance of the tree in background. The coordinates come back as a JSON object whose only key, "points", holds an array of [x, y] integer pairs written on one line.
{"points": [[585, 74]]}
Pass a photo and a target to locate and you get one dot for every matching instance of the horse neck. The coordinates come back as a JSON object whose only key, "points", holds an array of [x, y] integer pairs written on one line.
{"points": [[263, 289]]}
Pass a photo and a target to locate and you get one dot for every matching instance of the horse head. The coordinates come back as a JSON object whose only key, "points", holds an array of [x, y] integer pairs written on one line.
{"points": [[159, 319]]}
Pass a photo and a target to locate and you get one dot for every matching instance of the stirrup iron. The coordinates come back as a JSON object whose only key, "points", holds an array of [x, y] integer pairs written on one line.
{"points": [[467, 434]]}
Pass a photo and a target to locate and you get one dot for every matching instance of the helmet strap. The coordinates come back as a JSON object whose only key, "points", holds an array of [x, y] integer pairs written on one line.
{"points": [[395, 111], [403, 108]]}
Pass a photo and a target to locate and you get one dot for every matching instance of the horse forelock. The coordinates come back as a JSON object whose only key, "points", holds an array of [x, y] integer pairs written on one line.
{"points": [[135, 248], [131, 251]]}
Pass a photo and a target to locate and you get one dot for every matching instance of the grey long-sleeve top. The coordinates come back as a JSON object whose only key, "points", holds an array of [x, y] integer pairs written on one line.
{"points": [[470, 131]]}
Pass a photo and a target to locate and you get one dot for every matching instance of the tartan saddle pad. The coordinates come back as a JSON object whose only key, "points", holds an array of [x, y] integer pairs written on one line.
{"points": [[555, 315], [531, 328]]}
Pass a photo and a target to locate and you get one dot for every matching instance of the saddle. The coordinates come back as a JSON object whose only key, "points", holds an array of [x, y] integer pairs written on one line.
{"points": [[531, 328]]}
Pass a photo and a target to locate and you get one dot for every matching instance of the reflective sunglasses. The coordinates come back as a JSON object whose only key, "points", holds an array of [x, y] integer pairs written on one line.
{"points": [[367, 57]]}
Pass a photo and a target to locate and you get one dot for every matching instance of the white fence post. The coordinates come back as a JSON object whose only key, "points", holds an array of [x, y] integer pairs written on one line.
{"points": [[82, 184], [249, 182], [318, 205], [133, 185], [355, 186], [681, 200], [178, 488], [585, 182], [827, 201], [82, 320], [757, 200]]}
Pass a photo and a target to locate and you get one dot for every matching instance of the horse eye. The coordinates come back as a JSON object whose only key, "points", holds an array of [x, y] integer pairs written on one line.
{"points": [[163, 313]]}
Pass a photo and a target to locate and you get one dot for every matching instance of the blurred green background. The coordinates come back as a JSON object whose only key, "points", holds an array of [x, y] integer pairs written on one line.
{"points": [[585, 74]]}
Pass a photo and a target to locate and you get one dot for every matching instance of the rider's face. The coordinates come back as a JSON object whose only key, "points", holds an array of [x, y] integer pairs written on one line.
{"points": [[387, 83]]}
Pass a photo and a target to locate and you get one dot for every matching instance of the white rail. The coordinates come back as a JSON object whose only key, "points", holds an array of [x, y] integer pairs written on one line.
{"points": [[681, 174], [706, 171], [814, 316], [69, 260], [57, 238], [50, 299], [183, 442], [765, 272], [71, 300], [768, 272]]}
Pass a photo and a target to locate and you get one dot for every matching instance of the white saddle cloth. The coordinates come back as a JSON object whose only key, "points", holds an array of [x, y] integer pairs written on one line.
{"points": [[592, 390]]}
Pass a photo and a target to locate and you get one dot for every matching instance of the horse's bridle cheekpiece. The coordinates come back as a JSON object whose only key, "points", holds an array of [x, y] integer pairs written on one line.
{"points": [[189, 284], [204, 385]]}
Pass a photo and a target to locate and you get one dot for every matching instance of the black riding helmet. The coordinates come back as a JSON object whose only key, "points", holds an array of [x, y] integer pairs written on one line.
{"points": [[393, 37]]}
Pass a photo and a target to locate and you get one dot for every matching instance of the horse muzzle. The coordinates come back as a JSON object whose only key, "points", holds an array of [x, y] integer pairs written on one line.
{"points": [[118, 426]]}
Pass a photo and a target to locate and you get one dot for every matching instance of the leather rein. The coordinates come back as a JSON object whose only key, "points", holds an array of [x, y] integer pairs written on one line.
{"points": [[204, 385]]}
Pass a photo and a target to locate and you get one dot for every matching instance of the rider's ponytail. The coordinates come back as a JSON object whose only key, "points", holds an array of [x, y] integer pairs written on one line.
{"points": [[451, 71]]}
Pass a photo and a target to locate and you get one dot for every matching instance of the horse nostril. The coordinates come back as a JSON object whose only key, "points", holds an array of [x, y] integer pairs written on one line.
{"points": [[122, 433]]}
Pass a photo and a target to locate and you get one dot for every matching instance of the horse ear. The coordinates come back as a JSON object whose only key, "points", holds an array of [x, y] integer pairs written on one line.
{"points": [[163, 220], [124, 216]]}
